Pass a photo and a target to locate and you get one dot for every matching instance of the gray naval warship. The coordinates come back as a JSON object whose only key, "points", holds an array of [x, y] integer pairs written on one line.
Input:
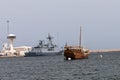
{"points": [[45, 49]]}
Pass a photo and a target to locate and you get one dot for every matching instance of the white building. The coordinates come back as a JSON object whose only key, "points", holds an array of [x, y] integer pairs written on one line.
{"points": [[10, 51]]}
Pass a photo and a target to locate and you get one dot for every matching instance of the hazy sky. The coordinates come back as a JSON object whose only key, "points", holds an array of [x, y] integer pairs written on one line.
{"points": [[31, 20]]}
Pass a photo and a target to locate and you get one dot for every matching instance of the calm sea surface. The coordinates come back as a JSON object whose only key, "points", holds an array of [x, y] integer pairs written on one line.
{"points": [[56, 68]]}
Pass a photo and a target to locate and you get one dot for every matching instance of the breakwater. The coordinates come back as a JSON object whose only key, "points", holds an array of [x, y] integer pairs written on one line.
{"points": [[105, 50]]}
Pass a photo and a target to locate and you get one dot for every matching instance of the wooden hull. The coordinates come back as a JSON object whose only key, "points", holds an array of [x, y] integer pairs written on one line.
{"points": [[75, 53]]}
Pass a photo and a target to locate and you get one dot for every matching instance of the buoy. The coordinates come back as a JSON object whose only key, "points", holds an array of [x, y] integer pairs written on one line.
{"points": [[69, 58], [101, 56]]}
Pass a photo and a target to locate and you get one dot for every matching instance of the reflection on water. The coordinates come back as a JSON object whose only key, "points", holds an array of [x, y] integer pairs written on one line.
{"points": [[95, 67]]}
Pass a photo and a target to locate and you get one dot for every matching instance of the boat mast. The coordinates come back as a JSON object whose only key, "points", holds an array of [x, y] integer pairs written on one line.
{"points": [[80, 41]]}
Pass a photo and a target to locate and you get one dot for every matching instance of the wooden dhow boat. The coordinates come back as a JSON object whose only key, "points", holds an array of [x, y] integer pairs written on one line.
{"points": [[75, 52]]}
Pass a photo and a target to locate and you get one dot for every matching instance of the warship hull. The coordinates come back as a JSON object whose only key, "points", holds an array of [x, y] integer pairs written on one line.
{"points": [[31, 54]]}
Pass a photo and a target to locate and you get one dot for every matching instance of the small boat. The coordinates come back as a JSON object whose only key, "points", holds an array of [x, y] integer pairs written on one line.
{"points": [[45, 49], [75, 52]]}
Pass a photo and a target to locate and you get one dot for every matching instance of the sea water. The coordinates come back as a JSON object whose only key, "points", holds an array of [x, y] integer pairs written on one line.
{"points": [[95, 67]]}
